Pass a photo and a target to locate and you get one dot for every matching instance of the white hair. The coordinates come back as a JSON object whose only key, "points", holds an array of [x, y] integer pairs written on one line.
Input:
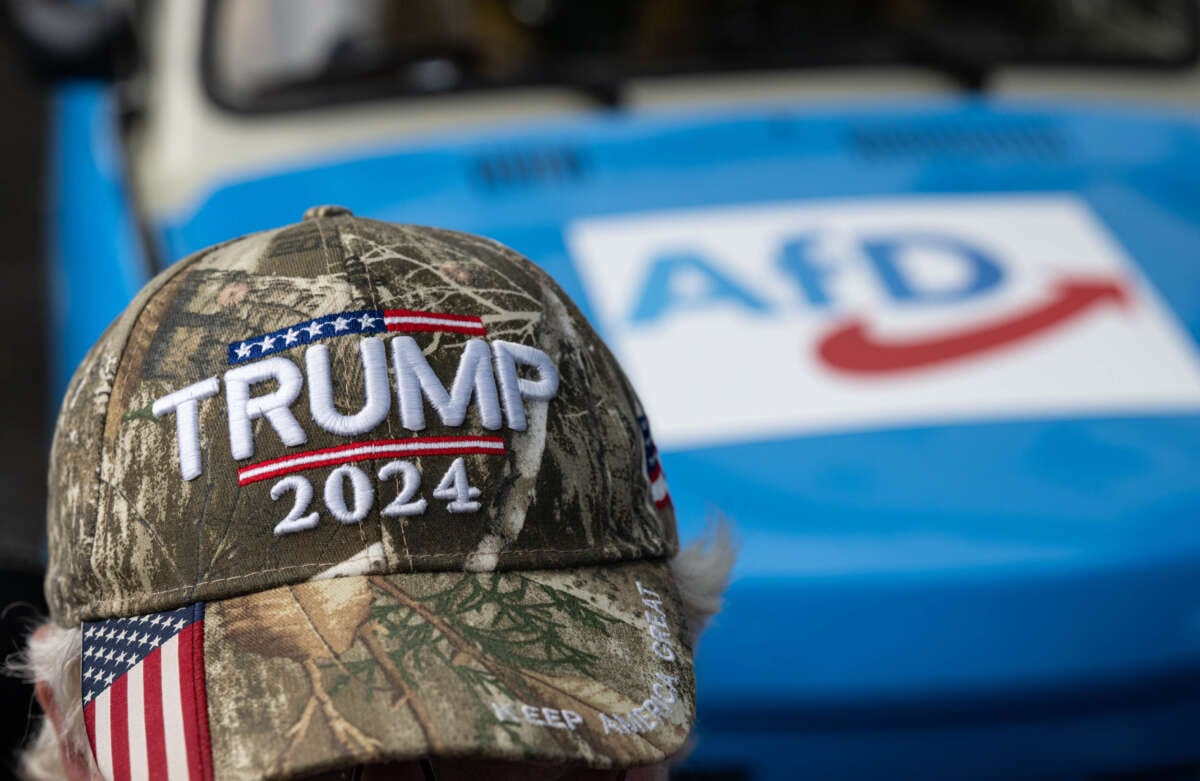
{"points": [[51, 658], [701, 571]]}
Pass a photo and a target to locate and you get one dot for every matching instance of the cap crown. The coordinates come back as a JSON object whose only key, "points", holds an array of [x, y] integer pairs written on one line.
{"points": [[411, 398]]}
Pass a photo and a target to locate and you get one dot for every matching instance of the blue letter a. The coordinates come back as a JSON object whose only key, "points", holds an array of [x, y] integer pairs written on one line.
{"points": [[685, 281]]}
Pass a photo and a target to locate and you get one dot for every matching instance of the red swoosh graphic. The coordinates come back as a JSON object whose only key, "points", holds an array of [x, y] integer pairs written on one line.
{"points": [[851, 349]]}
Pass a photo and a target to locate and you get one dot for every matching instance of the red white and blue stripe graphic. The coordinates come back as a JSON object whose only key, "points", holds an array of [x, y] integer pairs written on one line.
{"points": [[144, 702], [366, 451], [409, 320], [654, 472], [359, 321]]}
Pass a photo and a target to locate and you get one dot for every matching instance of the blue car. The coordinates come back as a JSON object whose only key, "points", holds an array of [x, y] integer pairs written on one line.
{"points": [[911, 293]]}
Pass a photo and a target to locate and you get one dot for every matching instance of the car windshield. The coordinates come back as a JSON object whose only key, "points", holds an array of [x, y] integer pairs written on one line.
{"points": [[274, 54]]}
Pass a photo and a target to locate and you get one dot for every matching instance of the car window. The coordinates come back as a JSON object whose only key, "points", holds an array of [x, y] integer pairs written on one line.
{"points": [[299, 53]]}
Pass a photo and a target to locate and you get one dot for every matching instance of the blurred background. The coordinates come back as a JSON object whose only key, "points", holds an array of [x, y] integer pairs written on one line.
{"points": [[25, 407], [982, 562]]}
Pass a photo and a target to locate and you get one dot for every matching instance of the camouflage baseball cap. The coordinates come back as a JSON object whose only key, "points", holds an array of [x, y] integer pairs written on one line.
{"points": [[351, 492]]}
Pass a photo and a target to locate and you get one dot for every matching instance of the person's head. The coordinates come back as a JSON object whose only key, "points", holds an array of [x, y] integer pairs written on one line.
{"points": [[368, 501]]}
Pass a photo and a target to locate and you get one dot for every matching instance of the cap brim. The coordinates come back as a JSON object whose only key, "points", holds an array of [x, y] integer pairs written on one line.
{"points": [[588, 666]]}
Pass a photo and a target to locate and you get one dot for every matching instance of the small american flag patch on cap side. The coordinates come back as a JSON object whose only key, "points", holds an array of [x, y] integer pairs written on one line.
{"points": [[144, 701]]}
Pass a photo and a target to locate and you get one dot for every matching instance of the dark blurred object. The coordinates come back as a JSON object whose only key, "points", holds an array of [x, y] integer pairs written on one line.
{"points": [[24, 608], [292, 54], [24, 418], [62, 40]]}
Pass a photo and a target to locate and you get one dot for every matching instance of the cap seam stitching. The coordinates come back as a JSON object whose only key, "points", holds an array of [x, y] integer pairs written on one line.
{"points": [[185, 589], [372, 297], [102, 487], [329, 268]]}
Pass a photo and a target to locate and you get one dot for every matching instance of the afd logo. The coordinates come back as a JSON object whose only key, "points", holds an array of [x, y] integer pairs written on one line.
{"points": [[677, 282], [768, 321]]}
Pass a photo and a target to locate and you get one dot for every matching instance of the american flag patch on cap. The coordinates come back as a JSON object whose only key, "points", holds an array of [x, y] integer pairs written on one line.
{"points": [[144, 701], [654, 472]]}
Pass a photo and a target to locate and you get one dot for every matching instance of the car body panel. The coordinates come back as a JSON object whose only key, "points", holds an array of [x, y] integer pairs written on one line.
{"points": [[96, 257], [1006, 591]]}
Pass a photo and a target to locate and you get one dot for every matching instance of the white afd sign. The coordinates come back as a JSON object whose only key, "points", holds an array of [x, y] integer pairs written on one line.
{"points": [[748, 323]]}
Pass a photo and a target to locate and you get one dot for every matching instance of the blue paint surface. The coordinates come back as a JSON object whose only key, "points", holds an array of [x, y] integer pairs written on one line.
{"points": [[96, 262], [1002, 599]]}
